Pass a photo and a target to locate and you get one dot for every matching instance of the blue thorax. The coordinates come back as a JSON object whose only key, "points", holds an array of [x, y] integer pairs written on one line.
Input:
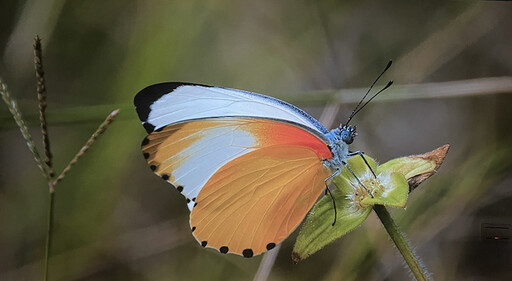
{"points": [[340, 138]]}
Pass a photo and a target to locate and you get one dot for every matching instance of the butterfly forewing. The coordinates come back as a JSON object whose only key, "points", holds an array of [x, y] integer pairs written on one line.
{"points": [[168, 103], [187, 154]]}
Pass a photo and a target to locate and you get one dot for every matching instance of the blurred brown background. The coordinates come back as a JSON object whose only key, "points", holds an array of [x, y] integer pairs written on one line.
{"points": [[114, 220]]}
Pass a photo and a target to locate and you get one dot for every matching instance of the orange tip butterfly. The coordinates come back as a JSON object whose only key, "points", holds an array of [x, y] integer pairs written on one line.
{"points": [[250, 166]]}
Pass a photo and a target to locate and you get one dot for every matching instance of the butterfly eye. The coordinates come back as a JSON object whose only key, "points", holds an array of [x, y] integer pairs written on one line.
{"points": [[347, 134], [346, 137]]}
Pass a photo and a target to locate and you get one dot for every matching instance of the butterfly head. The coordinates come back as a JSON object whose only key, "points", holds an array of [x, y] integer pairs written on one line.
{"points": [[344, 133], [347, 133]]}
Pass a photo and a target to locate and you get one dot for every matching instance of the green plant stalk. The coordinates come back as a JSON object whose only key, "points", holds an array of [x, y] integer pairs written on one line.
{"points": [[401, 244], [49, 232]]}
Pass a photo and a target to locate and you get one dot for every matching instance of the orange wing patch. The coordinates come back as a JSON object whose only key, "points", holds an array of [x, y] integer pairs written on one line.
{"points": [[255, 201], [271, 133], [173, 151]]}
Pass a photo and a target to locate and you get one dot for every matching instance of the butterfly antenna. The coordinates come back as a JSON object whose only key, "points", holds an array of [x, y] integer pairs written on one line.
{"points": [[357, 108], [366, 103]]}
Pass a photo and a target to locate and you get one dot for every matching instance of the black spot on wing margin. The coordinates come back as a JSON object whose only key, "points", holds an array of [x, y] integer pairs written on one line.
{"points": [[247, 253], [224, 249]]}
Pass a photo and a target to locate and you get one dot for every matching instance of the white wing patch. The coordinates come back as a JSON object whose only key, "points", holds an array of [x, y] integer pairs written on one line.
{"points": [[206, 156], [187, 102], [203, 152]]}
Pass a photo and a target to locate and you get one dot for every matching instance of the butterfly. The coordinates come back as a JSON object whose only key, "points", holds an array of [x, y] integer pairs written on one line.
{"points": [[250, 166]]}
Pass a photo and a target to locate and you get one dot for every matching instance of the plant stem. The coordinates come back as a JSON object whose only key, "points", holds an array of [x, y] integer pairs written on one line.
{"points": [[49, 232], [401, 244], [41, 97]]}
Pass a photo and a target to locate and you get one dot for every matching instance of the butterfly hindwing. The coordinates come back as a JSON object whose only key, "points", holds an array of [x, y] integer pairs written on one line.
{"points": [[256, 200]]}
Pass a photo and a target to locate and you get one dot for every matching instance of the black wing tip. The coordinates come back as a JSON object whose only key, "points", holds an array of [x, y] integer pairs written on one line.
{"points": [[147, 96]]}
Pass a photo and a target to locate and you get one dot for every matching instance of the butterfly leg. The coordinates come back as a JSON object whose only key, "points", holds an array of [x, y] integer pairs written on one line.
{"points": [[337, 172], [360, 153], [328, 190], [352, 172]]}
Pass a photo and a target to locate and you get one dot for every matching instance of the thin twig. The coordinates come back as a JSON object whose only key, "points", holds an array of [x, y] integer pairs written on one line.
{"points": [[88, 144], [329, 114], [327, 118], [434, 90], [41, 96], [127, 247], [335, 74], [266, 264], [447, 42], [13, 108]]}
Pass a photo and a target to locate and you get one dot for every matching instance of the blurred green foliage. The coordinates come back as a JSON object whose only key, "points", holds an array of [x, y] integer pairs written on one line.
{"points": [[117, 221]]}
